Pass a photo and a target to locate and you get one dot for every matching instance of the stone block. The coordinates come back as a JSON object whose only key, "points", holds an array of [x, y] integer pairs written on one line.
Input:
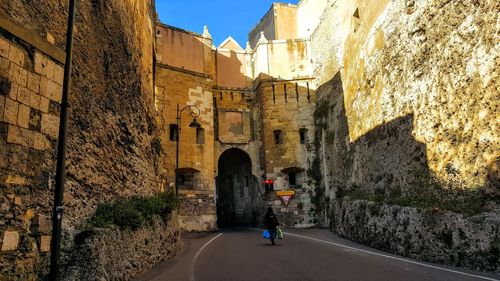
{"points": [[16, 55], [41, 141], [50, 90], [23, 116], [4, 67], [58, 74], [34, 82], [24, 95], [45, 244], [16, 180], [44, 104], [18, 75], [50, 38], [50, 125], [10, 111], [44, 224], [14, 88], [10, 241], [41, 64], [4, 48], [35, 100], [50, 69], [28, 218], [18, 135]]}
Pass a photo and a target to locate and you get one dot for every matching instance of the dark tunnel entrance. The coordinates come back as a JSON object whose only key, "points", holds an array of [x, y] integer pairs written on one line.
{"points": [[237, 196]]}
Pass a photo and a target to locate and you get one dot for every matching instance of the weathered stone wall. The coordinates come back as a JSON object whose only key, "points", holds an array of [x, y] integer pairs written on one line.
{"points": [[407, 99], [30, 96], [114, 254], [177, 86], [288, 107], [111, 121], [430, 235], [431, 63]]}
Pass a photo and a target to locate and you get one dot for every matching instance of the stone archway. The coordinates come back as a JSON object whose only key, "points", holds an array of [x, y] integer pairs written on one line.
{"points": [[237, 195]]}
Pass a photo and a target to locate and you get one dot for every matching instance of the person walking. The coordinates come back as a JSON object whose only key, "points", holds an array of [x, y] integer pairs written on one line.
{"points": [[271, 222]]}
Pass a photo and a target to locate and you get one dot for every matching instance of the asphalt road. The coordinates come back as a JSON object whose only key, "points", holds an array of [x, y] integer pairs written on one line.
{"points": [[304, 255]]}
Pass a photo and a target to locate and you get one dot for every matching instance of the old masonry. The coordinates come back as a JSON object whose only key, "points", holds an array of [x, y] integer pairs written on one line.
{"points": [[376, 119]]}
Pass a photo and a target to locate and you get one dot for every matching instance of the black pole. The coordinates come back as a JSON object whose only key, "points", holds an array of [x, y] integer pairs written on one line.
{"points": [[55, 246]]}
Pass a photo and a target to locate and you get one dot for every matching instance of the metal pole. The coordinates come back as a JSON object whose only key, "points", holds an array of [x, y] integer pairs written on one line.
{"points": [[61, 151], [177, 135]]}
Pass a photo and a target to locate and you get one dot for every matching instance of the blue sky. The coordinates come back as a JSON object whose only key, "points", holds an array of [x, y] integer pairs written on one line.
{"points": [[223, 17]]}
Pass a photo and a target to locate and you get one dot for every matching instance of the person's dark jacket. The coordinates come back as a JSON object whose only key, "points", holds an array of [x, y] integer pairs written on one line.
{"points": [[271, 221]]}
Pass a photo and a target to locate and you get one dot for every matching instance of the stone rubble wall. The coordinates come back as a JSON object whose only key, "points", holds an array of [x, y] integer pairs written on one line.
{"points": [[430, 235], [431, 63], [408, 102], [121, 255], [111, 121]]}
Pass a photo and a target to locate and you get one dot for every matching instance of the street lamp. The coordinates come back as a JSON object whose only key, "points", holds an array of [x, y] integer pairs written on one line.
{"points": [[193, 124]]}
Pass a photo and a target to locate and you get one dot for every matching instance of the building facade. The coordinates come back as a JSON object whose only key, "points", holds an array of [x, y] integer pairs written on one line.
{"points": [[256, 109]]}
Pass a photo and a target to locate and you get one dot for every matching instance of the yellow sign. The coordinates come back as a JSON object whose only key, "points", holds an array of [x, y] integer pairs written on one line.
{"points": [[286, 196], [285, 192]]}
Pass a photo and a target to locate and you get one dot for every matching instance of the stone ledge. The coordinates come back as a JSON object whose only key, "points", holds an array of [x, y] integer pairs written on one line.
{"points": [[33, 39]]}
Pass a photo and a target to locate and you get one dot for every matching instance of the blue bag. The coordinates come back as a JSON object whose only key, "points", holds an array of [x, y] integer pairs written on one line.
{"points": [[266, 234]]}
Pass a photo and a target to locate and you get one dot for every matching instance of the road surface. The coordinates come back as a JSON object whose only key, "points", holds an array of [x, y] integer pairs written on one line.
{"points": [[304, 255]]}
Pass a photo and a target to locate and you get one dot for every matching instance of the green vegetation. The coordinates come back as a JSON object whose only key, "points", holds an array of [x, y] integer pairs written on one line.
{"points": [[318, 198], [134, 212], [465, 201]]}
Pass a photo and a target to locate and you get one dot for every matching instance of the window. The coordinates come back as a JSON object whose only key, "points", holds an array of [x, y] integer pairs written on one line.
{"points": [[186, 181], [188, 178], [173, 132], [303, 135], [200, 136], [294, 176], [292, 179], [278, 137]]}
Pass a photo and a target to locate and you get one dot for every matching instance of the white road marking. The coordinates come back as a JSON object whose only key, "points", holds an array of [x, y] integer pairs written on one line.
{"points": [[191, 267], [391, 257]]}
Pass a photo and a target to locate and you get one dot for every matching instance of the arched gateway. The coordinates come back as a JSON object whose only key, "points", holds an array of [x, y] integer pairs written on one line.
{"points": [[237, 190]]}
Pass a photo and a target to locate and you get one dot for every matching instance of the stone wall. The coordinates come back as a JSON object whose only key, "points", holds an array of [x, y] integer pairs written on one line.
{"points": [[430, 235], [179, 87], [30, 97], [111, 120], [428, 66], [406, 116], [114, 254]]}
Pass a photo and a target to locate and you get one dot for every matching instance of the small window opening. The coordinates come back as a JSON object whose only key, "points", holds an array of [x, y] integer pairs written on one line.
{"points": [[292, 179], [188, 178], [303, 136], [200, 136], [173, 132], [278, 137]]}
